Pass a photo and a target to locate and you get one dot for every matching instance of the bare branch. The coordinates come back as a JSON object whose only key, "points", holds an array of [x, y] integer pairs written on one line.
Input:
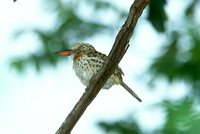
{"points": [[118, 50]]}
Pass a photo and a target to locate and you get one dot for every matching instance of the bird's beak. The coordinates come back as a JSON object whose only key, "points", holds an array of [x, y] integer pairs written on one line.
{"points": [[65, 52]]}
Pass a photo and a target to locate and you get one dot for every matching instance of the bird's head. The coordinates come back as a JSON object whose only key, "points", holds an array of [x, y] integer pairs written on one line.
{"points": [[77, 50]]}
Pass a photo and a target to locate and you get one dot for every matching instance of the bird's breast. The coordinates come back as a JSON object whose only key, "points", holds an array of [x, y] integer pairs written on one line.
{"points": [[85, 67]]}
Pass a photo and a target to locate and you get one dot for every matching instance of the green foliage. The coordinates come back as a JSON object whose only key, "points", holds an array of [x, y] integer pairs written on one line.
{"points": [[38, 60], [157, 15], [120, 127], [191, 8], [182, 118], [160, 66], [180, 58]]}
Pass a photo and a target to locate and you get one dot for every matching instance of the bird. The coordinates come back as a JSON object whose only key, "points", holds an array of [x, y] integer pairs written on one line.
{"points": [[87, 61]]}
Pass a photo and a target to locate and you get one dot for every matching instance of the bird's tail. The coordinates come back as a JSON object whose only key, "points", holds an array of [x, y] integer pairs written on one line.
{"points": [[130, 91]]}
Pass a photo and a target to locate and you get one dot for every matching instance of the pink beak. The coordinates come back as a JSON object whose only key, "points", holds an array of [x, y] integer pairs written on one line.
{"points": [[65, 52]]}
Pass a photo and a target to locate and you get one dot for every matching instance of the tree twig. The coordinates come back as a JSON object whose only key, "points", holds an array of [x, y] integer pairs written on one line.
{"points": [[118, 50]]}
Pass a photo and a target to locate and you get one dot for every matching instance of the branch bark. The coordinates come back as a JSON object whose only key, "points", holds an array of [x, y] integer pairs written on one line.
{"points": [[118, 50]]}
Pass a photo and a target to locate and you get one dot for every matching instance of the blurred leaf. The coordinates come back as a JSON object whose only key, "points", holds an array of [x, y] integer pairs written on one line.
{"points": [[182, 118], [190, 10], [101, 5], [180, 60], [37, 60], [157, 15], [166, 63], [18, 64], [126, 126]]}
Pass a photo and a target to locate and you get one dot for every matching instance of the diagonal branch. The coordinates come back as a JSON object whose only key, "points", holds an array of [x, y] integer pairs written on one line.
{"points": [[118, 50]]}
